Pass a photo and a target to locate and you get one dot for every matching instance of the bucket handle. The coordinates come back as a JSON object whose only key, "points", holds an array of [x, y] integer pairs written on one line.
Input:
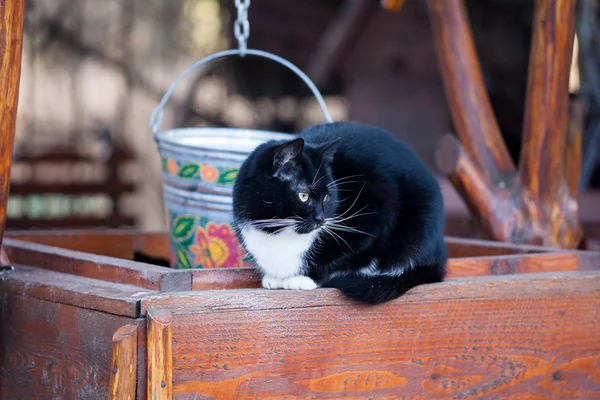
{"points": [[157, 115]]}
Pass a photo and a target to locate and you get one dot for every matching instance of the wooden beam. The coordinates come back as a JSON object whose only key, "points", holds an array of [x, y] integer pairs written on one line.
{"points": [[573, 157], [504, 337], [123, 377], [495, 215], [465, 90], [11, 46], [537, 205], [160, 355], [98, 267], [547, 109], [93, 294], [118, 243]]}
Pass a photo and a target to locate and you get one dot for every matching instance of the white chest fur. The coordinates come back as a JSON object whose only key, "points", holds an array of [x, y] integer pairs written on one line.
{"points": [[278, 255]]}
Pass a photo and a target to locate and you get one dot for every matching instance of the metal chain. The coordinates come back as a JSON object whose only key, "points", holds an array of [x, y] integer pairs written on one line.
{"points": [[241, 27]]}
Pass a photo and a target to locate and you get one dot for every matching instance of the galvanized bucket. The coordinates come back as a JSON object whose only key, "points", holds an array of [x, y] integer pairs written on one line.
{"points": [[199, 167]]}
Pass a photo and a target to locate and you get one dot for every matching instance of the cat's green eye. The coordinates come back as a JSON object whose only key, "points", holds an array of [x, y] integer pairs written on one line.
{"points": [[326, 198], [303, 196]]}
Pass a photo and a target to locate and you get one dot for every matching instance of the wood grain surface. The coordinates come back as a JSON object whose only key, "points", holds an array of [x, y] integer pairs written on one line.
{"points": [[93, 294], [98, 267], [160, 355], [118, 243], [547, 110], [11, 46], [526, 263], [55, 351], [465, 90], [512, 337], [123, 377], [536, 204], [574, 146]]}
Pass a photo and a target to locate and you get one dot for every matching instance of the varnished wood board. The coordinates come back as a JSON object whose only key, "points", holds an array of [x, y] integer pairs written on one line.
{"points": [[98, 267], [55, 351], [509, 337], [93, 294]]}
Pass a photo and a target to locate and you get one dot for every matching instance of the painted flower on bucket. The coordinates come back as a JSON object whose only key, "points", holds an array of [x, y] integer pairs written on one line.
{"points": [[172, 166], [209, 173], [216, 246]]}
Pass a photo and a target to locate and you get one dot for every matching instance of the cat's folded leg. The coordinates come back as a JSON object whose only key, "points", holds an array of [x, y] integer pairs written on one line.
{"points": [[296, 282]]}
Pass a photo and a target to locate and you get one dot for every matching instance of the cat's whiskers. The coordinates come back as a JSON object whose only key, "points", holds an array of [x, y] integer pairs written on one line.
{"points": [[313, 184], [358, 213], [281, 223], [346, 228], [335, 182], [355, 200], [335, 236]]}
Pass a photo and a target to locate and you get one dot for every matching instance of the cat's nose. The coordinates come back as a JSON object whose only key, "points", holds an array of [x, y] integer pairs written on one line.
{"points": [[320, 217]]}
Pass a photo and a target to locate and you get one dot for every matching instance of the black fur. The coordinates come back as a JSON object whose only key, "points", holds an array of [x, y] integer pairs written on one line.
{"points": [[393, 201]]}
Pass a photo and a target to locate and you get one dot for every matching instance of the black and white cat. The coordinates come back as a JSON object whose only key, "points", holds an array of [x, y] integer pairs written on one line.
{"points": [[344, 205]]}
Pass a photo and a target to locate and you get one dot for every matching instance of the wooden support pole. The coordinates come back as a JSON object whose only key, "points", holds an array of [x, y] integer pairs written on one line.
{"points": [[11, 45], [472, 186], [467, 98], [123, 377], [537, 205], [574, 143], [160, 355], [547, 108]]}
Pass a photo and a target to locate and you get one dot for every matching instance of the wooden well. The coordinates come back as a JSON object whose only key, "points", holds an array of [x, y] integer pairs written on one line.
{"points": [[80, 320]]}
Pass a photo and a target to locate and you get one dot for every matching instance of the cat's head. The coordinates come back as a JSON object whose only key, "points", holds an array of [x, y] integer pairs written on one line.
{"points": [[287, 185]]}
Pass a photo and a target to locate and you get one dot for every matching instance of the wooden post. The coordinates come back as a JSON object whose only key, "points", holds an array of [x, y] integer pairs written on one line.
{"points": [[546, 109], [160, 355], [467, 97], [574, 143], [536, 204], [11, 45], [123, 377]]}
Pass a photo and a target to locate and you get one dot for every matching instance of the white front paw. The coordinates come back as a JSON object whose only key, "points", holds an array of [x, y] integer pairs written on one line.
{"points": [[298, 283], [271, 282]]}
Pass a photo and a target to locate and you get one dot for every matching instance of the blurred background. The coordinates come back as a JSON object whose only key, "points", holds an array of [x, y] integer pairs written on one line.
{"points": [[93, 70]]}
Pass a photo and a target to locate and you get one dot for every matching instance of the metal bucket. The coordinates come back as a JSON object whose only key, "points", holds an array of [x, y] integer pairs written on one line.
{"points": [[199, 167]]}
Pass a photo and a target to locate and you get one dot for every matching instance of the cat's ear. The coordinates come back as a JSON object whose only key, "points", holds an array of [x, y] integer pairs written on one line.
{"points": [[329, 149], [288, 152]]}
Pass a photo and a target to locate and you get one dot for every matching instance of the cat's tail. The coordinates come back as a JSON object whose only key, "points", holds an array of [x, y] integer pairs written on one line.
{"points": [[376, 289]]}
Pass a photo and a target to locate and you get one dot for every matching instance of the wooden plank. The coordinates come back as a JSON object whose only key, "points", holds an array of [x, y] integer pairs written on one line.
{"points": [[124, 364], [55, 351], [109, 242], [227, 278], [461, 247], [510, 337], [93, 294], [11, 45], [488, 287], [160, 355], [118, 243], [515, 264], [237, 278], [98, 267]]}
